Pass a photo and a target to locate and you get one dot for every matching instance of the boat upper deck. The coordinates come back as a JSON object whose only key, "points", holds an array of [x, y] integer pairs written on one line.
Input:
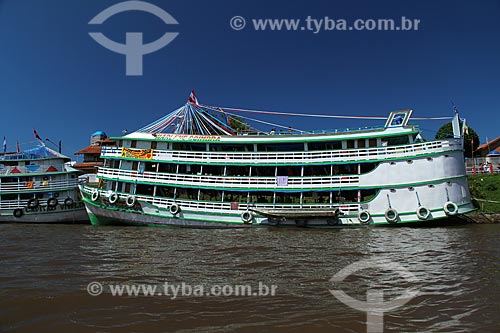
{"points": [[359, 133]]}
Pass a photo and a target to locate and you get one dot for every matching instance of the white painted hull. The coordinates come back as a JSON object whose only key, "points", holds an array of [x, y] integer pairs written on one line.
{"points": [[144, 213], [61, 214]]}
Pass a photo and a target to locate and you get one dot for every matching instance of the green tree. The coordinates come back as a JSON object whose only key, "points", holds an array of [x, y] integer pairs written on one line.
{"points": [[446, 131], [238, 124]]}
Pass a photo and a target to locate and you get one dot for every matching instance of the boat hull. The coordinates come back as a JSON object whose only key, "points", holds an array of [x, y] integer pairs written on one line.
{"points": [[60, 214], [101, 212]]}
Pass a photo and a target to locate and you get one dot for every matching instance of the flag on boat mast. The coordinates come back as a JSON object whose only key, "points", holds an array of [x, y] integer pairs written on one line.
{"points": [[38, 137], [4, 145], [192, 98], [456, 126]]}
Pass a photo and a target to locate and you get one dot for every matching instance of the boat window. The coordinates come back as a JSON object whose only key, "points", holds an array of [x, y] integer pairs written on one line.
{"points": [[5, 197], [372, 142], [213, 170], [189, 146], [397, 140], [231, 147], [367, 167], [133, 144], [186, 193], [210, 195], [26, 196], [154, 144], [167, 168], [289, 147], [237, 170], [331, 145], [317, 170], [367, 195], [143, 189], [315, 197], [345, 169], [8, 180], [234, 196], [361, 143], [287, 198], [135, 165], [165, 191], [150, 167], [189, 169], [350, 144], [345, 196], [290, 171], [262, 197], [264, 171]]}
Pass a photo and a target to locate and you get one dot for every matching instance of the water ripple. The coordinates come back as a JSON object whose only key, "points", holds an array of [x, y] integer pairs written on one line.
{"points": [[45, 271]]}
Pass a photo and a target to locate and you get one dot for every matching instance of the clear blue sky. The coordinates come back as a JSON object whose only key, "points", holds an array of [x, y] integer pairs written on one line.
{"points": [[54, 77]]}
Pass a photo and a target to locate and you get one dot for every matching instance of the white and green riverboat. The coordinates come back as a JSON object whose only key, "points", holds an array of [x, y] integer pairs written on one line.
{"points": [[191, 168], [38, 186]]}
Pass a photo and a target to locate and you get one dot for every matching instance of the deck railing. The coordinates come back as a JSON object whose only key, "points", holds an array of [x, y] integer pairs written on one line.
{"points": [[229, 181], [226, 207], [12, 204], [302, 157], [49, 185]]}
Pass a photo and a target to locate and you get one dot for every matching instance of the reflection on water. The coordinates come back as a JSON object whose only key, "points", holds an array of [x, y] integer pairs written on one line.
{"points": [[45, 271]]}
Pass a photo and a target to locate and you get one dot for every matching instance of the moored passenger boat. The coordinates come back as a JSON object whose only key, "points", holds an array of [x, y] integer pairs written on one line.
{"points": [[37, 186], [192, 168]]}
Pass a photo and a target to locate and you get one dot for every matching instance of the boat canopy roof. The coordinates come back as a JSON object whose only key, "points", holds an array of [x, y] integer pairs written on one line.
{"points": [[193, 119], [41, 152], [203, 121]]}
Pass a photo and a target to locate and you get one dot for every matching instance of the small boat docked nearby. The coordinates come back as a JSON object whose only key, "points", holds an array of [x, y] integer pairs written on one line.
{"points": [[193, 168], [38, 186]]}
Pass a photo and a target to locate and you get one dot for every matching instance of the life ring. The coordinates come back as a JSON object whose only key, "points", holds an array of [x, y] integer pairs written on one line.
{"points": [[52, 202], [68, 201], [423, 213], [33, 203], [18, 212], [364, 217], [450, 208], [391, 215], [247, 217], [174, 209], [95, 195], [130, 201], [113, 197]]}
